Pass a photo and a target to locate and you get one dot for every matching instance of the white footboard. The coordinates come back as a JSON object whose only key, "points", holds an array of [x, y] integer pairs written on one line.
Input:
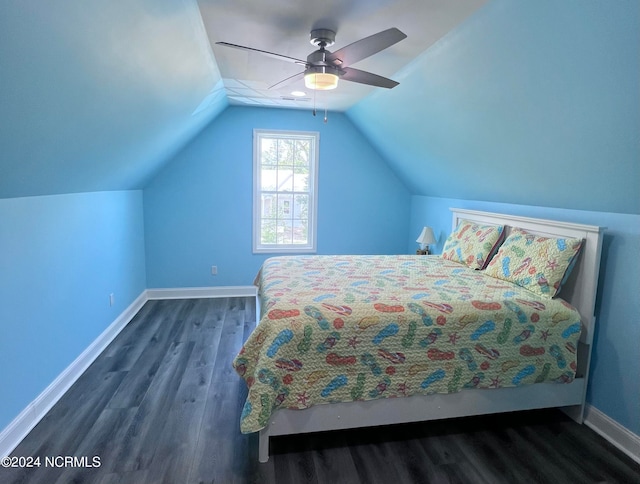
{"points": [[421, 408]]}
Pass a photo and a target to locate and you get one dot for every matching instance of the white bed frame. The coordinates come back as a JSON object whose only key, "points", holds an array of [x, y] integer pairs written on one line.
{"points": [[580, 290]]}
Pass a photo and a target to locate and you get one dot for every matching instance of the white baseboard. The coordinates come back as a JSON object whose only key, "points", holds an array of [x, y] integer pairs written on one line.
{"points": [[616, 434], [19, 427], [202, 292], [17, 430]]}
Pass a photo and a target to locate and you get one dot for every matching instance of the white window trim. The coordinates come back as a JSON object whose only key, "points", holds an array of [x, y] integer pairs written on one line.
{"points": [[311, 247]]}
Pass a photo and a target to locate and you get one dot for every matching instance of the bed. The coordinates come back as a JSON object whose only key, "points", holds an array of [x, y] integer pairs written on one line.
{"points": [[357, 341]]}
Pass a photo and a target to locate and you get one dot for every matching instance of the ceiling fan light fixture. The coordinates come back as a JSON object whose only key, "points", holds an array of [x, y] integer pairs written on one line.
{"points": [[320, 79]]}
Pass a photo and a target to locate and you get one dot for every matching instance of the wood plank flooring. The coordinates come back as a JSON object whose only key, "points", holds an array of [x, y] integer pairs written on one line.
{"points": [[162, 405]]}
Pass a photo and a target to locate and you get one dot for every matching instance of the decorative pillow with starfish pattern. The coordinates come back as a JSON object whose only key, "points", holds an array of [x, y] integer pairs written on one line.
{"points": [[473, 244], [540, 264]]}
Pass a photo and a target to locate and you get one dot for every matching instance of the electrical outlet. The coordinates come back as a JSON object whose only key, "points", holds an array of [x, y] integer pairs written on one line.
{"points": [[214, 270], [112, 299]]}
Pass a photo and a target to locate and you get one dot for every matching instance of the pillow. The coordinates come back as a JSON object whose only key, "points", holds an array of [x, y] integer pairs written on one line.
{"points": [[473, 244], [540, 264]]}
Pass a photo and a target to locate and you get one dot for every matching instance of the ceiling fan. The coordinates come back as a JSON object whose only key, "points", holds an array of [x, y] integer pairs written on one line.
{"points": [[322, 69]]}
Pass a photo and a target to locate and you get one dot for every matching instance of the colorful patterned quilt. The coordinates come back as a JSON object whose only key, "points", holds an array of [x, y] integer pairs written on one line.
{"points": [[343, 328]]}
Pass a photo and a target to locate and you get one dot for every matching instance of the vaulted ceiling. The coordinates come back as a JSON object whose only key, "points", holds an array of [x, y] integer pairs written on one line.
{"points": [[97, 95], [500, 101]]}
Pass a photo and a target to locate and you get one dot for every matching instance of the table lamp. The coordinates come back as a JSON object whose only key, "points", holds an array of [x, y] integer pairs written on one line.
{"points": [[426, 237]]}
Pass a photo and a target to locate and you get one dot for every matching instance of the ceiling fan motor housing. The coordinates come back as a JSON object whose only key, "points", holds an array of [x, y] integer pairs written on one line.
{"points": [[319, 58], [322, 37], [321, 70]]}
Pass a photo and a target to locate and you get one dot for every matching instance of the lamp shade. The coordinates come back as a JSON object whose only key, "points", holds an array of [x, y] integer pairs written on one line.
{"points": [[426, 237]]}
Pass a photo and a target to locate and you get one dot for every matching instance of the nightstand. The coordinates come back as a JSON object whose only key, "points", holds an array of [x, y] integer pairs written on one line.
{"points": [[422, 252]]}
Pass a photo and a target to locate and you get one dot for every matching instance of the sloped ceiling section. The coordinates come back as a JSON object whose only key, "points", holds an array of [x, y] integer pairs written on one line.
{"points": [[533, 103], [96, 95], [99, 95], [524, 102]]}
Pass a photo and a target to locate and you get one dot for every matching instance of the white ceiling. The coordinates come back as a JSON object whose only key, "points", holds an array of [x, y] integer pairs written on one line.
{"points": [[283, 27]]}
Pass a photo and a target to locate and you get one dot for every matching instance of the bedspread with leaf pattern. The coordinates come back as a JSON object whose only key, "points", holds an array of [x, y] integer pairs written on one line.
{"points": [[342, 328]]}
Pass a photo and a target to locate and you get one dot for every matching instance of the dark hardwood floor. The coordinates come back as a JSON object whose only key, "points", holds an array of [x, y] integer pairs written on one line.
{"points": [[162, 404]]}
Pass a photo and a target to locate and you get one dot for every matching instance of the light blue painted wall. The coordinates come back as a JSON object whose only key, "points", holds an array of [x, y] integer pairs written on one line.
{"points": [[198, 210], [531, 106], [526, 102], [60, 258], [614, 386]]}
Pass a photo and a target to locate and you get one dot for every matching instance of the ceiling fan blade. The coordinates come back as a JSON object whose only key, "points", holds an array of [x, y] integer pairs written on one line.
{"points": [[264, 52], [366, 47], [363, 77], [288, 80]]}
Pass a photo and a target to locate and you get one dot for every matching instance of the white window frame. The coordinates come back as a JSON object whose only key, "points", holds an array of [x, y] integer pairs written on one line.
{"points": [[311, 246]]}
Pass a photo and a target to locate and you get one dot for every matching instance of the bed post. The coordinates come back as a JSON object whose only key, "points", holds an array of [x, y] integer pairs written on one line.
{"points": [[257, 309], [263, 445]]}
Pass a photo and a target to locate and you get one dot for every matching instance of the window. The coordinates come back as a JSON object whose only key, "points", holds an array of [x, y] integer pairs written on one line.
{"points": [[285, 168]]}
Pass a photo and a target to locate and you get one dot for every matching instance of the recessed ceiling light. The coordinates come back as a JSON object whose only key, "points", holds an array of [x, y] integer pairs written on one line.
{"points": [[298, 93]]}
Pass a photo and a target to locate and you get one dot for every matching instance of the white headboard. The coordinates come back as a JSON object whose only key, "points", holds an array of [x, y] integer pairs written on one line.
{"points": [[581, 288]]}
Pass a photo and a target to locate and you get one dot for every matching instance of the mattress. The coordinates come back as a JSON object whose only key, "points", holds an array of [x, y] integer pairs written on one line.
{"points": [[344, 328]]}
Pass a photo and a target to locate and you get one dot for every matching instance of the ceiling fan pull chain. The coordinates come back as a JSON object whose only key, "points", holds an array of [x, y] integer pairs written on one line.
{"points": [[325, 115], [314, 103]]}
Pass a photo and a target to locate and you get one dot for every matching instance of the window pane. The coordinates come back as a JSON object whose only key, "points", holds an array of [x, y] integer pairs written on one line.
{"points": [[284, 232], [268, 231], [300, 231], [301, 207], [285, 152], [300, 181], [268, 206], [302, 150], [268, 151], [284, 206], [285, 180], [268, 179]]}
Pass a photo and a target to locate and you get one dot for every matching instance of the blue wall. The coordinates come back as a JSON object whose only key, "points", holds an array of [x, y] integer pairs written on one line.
{"points": [[527, 102], [614, 386], [198, 210], [533, 107], [60, 258]]}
